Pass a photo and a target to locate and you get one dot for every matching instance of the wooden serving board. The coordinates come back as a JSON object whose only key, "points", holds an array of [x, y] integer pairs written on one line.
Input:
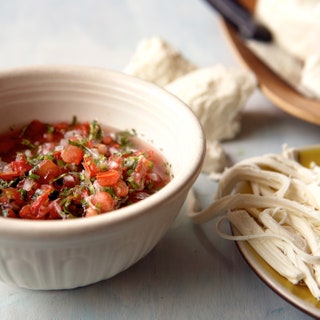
{"points": [[273, 87]]}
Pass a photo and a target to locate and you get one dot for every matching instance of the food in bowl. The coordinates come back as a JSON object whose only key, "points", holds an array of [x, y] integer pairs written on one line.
{"points": [[70, 253], [71, 169], [272, 202]]}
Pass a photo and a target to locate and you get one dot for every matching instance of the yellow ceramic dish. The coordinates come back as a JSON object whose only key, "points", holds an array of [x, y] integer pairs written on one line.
{"points": [[298, 295]]}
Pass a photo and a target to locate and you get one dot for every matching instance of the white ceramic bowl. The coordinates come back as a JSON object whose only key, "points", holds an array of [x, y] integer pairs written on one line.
{"points": [[71, 253]]}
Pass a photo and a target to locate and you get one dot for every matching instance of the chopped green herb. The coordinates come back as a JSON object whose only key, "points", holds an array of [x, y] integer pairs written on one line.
{"points": [[50, 129], [123, 138], [28, 143], [80, 144], [133, 182], [34, 176], [23, 194], [49, 180], [73, 121], [95, 131]]}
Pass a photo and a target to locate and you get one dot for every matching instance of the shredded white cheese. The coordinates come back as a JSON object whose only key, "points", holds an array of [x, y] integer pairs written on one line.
{"points": [[274, 203]]}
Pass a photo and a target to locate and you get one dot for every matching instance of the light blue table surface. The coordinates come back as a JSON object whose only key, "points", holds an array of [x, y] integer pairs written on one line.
{"points": [[191, 273]]}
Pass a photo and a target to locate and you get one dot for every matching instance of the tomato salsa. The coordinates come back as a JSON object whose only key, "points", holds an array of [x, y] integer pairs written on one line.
{"points": [[77, 169]]}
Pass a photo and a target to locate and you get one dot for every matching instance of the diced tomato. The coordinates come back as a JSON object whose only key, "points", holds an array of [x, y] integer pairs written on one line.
{"points": [[48, 212], [41, 200], [91, 212], [103, 149], [108, 178], [89, 144], [11, 214], [15, 169], [53, 212], [50, 189], [137, 196], [42, 207], [107, 139], [47, 171], [10, 175], [61, 127], [20, 166], [72, 154], [35, 130], [115, 161], [143, 166], [90, 167], [25, 212], [83, 127], [70, 181], [121, 189], [30, 185], [140, 172], [9, 196], [7, 144], [103, 201]]}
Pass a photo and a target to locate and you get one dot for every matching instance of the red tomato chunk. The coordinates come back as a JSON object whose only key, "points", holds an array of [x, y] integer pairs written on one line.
{"points": [[72, 170]]}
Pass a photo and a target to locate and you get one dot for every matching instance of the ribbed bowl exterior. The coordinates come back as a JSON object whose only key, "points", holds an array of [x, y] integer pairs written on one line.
{"points": [[73, 253], [80, 263]]}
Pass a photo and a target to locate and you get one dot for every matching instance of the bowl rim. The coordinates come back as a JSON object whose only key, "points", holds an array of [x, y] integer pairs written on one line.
{"points": [[60, 228]]}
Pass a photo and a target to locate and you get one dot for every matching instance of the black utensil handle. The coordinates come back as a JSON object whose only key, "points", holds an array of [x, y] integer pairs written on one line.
{"points": [[240, 18]]}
